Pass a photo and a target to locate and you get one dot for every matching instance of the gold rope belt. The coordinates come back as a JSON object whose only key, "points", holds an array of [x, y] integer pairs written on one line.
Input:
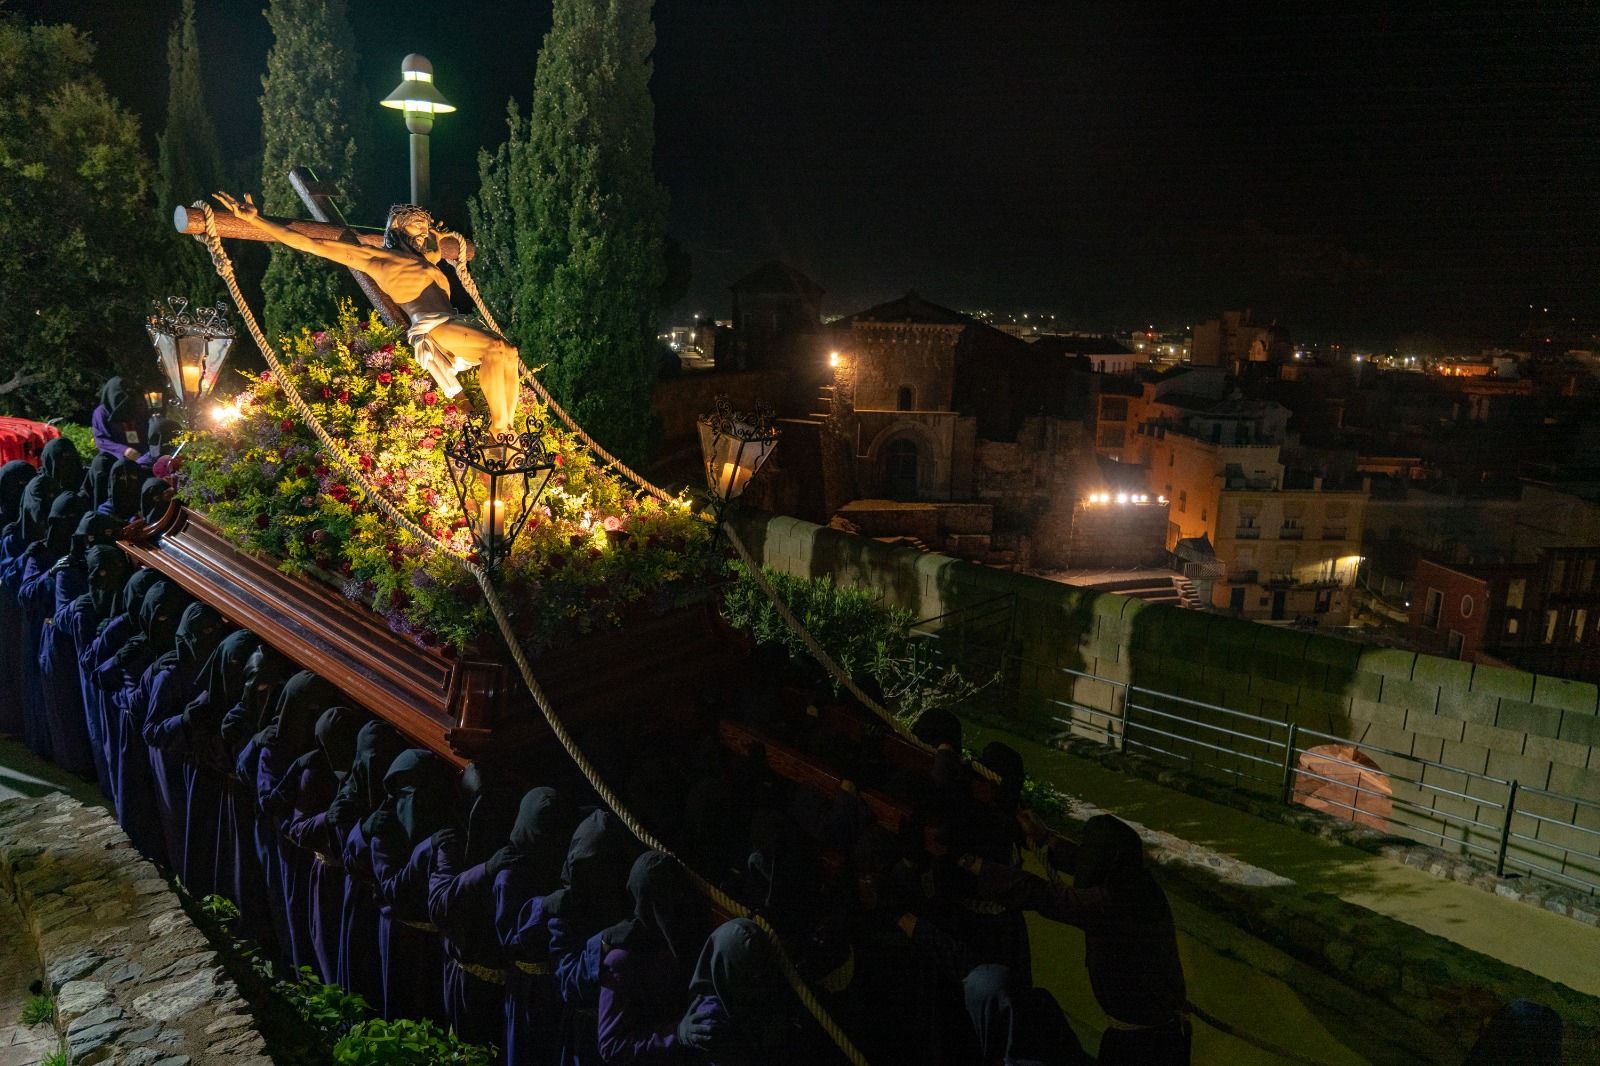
{"points": [[484, 973], [534, 969], [328, 860], [423, 927]]}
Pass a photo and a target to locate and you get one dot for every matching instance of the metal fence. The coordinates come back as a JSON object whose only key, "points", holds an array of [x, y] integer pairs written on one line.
{"points": [[1519, 829]]}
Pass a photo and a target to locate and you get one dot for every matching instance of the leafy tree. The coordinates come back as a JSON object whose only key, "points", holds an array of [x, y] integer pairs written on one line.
{"points": [[189, 159], [569, 219], [313, 114], [78, 242]]}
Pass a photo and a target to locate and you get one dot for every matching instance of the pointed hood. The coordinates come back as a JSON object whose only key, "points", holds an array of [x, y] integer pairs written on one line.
{"points": [[154, 495], [377, 747], [98, 479], [121, 402], [127, 479], [37, 499], [540, 835], [294, 729], [419, 790], [14, 478], [60, 459], [221, 681]]}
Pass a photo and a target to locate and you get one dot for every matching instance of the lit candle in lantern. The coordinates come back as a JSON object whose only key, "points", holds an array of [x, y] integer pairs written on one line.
{"points": [[191, 378], [492, 519], [725, 482]]}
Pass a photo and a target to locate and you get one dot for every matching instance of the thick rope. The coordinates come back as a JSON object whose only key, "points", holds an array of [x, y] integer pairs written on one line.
{"points": [[224, 267]]}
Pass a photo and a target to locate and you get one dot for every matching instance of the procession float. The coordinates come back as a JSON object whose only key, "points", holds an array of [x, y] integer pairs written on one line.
{"points": [[398, 505]]}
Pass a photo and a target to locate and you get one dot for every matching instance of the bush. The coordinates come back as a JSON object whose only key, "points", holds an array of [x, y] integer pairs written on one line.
{"points": [[328, 1009], [81, 436], [39, 1010], [407, 1043]]}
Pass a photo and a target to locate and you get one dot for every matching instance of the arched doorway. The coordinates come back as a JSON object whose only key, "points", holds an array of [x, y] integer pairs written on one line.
{"points": [[900, 461], [1339, 780]]}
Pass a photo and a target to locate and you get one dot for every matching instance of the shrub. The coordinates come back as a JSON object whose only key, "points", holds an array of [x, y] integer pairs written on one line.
{"points": [[39, 1010], [81, 436], [407, 1043], [328, 1009]]}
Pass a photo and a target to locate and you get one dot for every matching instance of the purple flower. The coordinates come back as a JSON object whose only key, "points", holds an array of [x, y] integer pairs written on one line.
{"points": [[376, 360], [421, 579]]}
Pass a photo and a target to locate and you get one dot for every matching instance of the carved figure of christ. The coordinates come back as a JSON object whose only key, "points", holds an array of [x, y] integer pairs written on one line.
{"points": [[407, 269]]}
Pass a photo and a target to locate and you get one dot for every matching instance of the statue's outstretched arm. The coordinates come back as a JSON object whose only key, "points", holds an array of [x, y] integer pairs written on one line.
{"points": [[356, 256]]}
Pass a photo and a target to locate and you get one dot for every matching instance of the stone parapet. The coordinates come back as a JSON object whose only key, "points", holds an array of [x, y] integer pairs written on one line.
{"points": [[134, 980]]}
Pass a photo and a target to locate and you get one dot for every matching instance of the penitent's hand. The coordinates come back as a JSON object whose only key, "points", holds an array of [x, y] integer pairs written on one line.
{"points": [[244, 210]]}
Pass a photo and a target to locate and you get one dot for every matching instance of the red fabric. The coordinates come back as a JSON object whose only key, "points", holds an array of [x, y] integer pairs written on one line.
{"points": [[22, 439]]}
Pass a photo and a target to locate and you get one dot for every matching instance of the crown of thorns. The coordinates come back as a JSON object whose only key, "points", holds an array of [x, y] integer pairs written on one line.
{"points": [[400, 214]]}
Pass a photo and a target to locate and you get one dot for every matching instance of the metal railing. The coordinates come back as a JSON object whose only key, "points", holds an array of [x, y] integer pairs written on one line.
{"points": [[1428, 801]]}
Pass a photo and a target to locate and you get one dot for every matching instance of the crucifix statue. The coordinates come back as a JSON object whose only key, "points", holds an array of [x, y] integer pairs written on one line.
{"points": [[405, 267]]}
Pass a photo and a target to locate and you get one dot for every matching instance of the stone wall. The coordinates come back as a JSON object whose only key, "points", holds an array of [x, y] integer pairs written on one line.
{"points": [[134, 980], [1075, 649]]}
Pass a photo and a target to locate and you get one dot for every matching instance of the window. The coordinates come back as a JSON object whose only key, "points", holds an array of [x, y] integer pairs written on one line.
{"points": [[1466, 607], [1172, 457], [1430, 609], [1114, 408], [1511, 627], [1580, 622], [1183, 501], [1455, 644], [905, 399], [1558, 574], [1202, 514], [1515, 591], [1587, 581], [1549, 627]]}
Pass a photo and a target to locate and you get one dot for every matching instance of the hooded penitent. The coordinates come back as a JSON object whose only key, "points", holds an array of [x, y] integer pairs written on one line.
{"points": [[154, 496], [337, 730], [221, 681], [98, 480], [34, 517], [667, 911], [60, 459], [1110, 853], [163, 434], [200, 630], [595, 874], [540, 835], [158, 613], [266, 673], [490, 807], [377, 745], [738, 968], [108, 567], [93, 529], [14, 478], [122, 404], [419, 791], [294, 729], [1007, 765], [65, 512], [127, 479], [1522, 1033]]}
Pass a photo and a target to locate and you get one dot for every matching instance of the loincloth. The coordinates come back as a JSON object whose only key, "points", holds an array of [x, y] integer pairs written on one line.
{"points": [[442, 365]]}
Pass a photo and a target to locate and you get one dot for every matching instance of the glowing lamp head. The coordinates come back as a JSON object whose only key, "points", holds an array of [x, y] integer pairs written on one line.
{"points": [[498, 478], [190, 347], [734, 446], [833, 359], [416, 94]]}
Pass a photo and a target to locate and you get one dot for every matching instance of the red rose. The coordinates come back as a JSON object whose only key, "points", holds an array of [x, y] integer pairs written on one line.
{"points": [[427, 444], [436, 432], [344, 395], [430, 398], [302, 470], [266, 377], [262, 521], [327, 393], [450, 408], [385, 377], [387, 349], [322, 470], [338, 492], [560, 461], [286, 425], [230, 493], [391, 547], [346, 569], [404, 369], [364, 461]]}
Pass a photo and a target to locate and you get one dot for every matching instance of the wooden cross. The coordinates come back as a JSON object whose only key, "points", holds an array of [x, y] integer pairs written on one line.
{"points": [[329, 226]]}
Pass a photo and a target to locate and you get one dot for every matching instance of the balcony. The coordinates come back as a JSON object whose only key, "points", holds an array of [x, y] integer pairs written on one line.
{"points": [[1247, 533], [1291, 533], [1336, 533]]}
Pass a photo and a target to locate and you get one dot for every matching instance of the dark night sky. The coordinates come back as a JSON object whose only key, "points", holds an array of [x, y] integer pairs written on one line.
{"points": [[1360, 170]]}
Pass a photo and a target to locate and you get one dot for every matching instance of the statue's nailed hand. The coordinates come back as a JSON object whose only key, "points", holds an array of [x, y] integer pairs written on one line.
{"points": [[245, 210]]}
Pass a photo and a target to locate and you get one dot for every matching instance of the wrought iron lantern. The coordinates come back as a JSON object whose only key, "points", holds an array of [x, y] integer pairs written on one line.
{"points": [[734, 445], [155, 399], [191, 347], [498, 478]]}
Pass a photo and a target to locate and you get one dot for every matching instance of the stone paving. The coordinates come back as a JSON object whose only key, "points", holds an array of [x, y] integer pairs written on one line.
{"points": [[20, 1045], [135, 982]]}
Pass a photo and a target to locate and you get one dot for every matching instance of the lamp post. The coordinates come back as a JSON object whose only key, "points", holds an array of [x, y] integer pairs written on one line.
{"points": [[190, 348], [420, 99], [498, 478], [734, 445]]}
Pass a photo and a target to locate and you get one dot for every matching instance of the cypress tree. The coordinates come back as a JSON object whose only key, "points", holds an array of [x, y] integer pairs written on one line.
{"points": [[313, 114], [570, 219], [190, 160]]}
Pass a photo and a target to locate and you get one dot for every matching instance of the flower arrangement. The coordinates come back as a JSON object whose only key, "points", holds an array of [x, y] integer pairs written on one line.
{"points": [[592, 553]]}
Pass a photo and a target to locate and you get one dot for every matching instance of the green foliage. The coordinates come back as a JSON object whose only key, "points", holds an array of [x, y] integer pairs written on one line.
{"points": [[914, 680], [189, 161], [81, 436], [219, 909], [851, 623], [313, 114], [328, 1009], [591, 555], [39, 1010], [569, 221], [78, 242], [59, 1057], [407, 1043], [1043, 799]]}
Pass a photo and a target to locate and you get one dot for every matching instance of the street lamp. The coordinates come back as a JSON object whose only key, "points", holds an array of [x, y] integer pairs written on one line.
{"points": [[498, 477], [420, 99], [190, 348], [734, 445]]}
